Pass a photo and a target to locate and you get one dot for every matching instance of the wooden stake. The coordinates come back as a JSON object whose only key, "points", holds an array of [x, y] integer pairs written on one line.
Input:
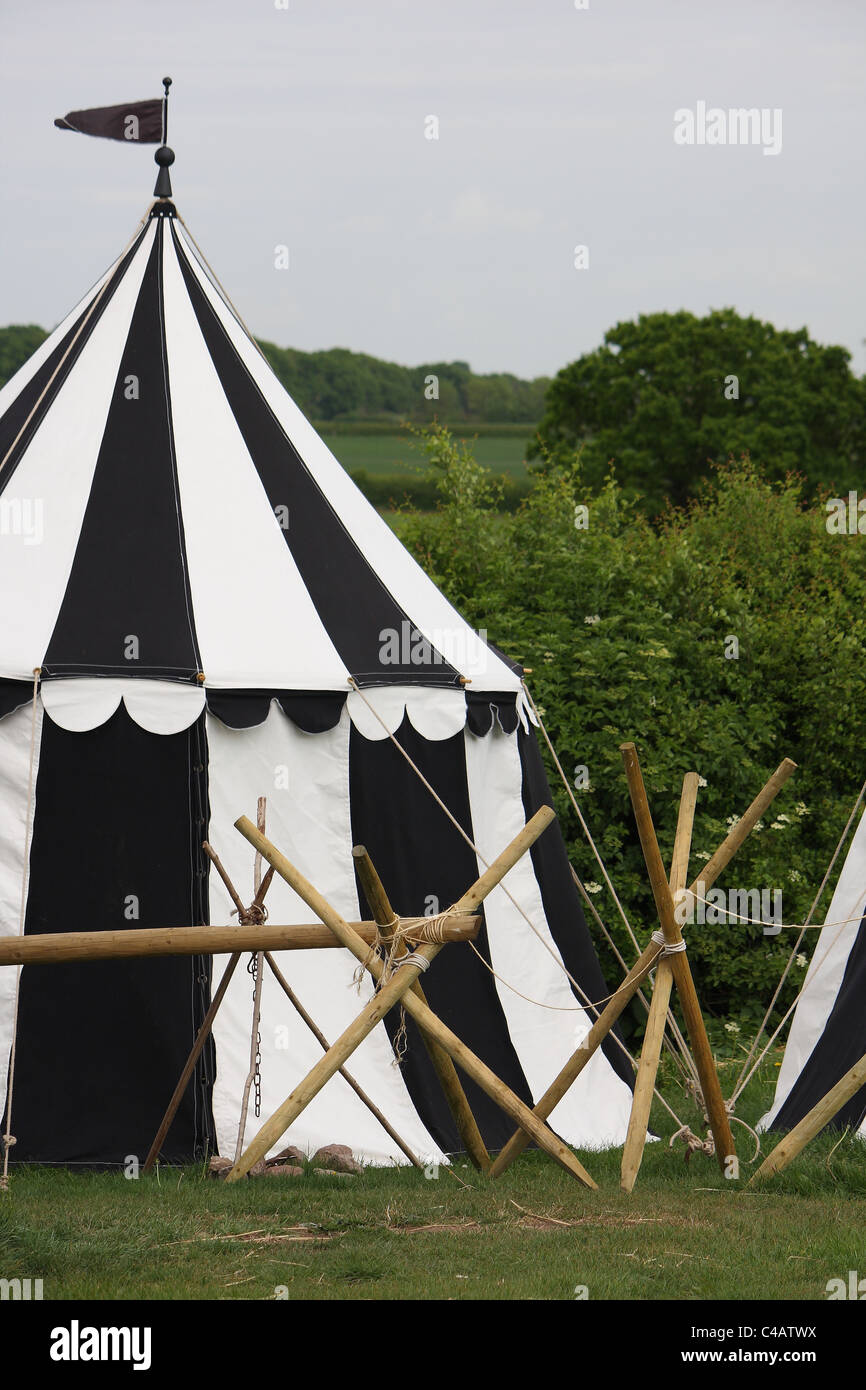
{"points": [[681, 970], [373, 1013], [189, 1067], [632, 1154], [566, 1078], [350, 1080], [445, 1069], [229, 886], [424, 1017], [812, 1124]]}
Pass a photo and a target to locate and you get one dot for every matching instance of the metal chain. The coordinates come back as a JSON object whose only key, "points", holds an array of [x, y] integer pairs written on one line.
{"points": [[253, 971]]}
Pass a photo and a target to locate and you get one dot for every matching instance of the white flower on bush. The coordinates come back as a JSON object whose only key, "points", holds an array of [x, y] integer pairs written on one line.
{"points": [[801, 962], [732, 1027], [702, 781], [594, 619], [795, 876], [701, 854], [732, 820], [592, 887], [801, 808]]}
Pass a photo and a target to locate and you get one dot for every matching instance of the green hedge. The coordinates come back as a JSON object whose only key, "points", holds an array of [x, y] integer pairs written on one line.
{"points": [[394, 491], [626, 627]]}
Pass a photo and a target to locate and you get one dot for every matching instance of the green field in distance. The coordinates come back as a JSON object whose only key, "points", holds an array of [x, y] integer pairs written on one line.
{"points": [[394, 453]]}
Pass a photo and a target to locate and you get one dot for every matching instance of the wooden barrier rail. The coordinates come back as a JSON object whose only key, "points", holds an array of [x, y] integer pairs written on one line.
{"points": [[54, 947]]}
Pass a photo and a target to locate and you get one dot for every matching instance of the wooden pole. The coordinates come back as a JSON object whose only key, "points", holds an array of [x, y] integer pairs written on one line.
{"points": [[461, 1111], [812, 1124], [56, 947], [220, 868], [373, 1013], [569, 1073], [424, 1017], [632, 1154], [350, 1080], [680, 968], [200, 1040], [208, 1021], [743, 828]]}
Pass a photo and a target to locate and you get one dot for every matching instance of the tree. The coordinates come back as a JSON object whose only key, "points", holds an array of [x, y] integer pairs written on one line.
{"points": [[665, 396], [17, 343]]}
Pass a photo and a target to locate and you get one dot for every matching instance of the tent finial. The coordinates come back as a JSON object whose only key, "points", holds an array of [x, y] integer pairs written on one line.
{"points": [[164, 156]]}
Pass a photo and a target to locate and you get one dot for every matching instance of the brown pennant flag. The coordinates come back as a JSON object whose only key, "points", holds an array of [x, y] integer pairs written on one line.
{"points": [[139, 122]]}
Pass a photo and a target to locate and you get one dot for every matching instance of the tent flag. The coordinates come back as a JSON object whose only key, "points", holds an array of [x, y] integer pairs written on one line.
{"points": [[138, 121]]}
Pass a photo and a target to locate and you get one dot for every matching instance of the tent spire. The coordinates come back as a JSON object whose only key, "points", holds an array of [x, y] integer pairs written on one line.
{"points": [[164, 156]]}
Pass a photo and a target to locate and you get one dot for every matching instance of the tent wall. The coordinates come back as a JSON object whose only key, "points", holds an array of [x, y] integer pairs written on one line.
{"points": [[118, 815], [18, 732], [305, 778], [329, 790], [828, 1032]]}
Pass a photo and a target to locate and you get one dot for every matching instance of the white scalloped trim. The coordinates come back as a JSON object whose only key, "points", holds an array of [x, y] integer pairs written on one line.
{"points": [[436, 714], [160, 707], [80, 703]]}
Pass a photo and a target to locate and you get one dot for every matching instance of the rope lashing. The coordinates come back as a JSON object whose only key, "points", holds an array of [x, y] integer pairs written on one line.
{"points": [[668, 949], [421, 963], [693, 1143], [253, 916], [395, 936]]}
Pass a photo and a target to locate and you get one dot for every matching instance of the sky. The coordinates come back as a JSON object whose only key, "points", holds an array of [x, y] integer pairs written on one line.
{"points": [[306, 124]]}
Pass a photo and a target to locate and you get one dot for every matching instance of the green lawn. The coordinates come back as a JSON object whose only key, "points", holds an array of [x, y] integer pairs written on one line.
{"points": [[684, 1233]]}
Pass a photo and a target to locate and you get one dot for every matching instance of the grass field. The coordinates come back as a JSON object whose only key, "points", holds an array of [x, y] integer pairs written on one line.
{"points": [[684, 1234], [385, 454]]}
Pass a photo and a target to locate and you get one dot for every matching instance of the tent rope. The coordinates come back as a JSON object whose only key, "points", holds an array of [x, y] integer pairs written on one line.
{"points": [[8, 1137], [585, 828], [470, 842], [215, 279], [394, 936], [801, 927], [681, 1062], [694, 1144], [744, 1079], [689, 1064], [814, 972]]}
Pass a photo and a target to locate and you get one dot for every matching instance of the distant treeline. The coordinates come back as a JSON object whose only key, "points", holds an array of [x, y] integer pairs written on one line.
{"points": [[17, 343], [342, 386], [339, 385]]}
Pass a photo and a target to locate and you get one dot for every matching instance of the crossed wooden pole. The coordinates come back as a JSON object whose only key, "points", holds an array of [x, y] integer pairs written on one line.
{"points": [[811, 1124], [251, 920], [397, 988], [651, 955]]}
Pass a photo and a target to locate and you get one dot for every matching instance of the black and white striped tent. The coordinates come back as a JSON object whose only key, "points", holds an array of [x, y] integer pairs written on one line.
{"points": [[828, 1032], [188, 581]]}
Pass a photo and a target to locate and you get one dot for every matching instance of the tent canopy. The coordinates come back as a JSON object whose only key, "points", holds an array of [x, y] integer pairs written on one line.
{"points": [[183, 525]]}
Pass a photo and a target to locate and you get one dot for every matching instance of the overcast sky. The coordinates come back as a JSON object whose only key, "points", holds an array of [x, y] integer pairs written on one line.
{"points": [[306, 127]]}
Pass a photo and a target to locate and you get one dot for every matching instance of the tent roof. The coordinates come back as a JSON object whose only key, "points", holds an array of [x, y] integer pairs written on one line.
{"points": [[170, 516]]}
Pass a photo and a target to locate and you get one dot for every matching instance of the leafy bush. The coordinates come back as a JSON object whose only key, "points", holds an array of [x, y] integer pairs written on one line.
{"points": [[722, 640]]}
